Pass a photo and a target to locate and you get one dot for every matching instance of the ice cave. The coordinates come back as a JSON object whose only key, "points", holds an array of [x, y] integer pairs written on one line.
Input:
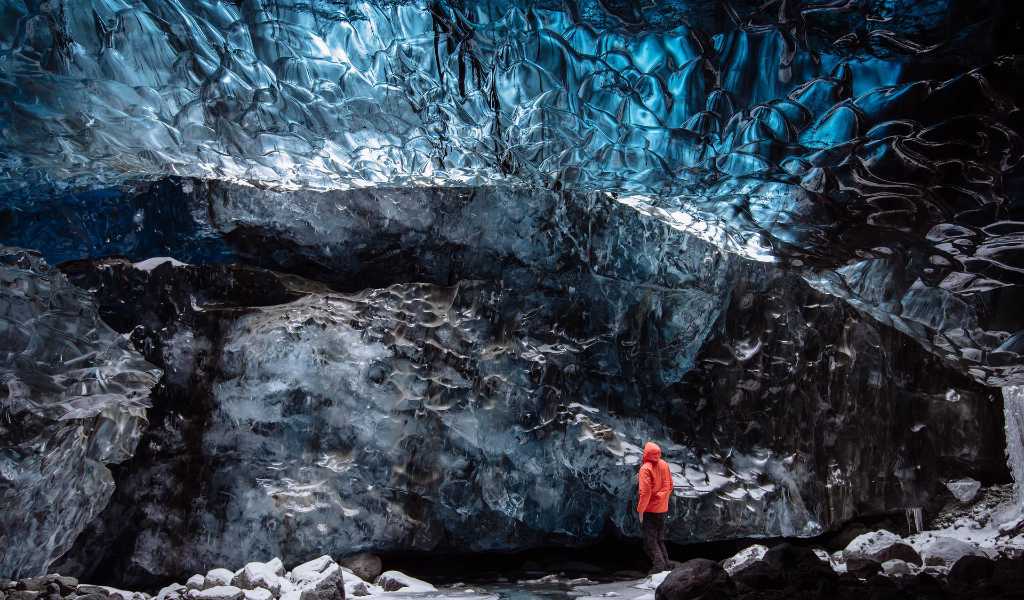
{"points": [[334, 299]]}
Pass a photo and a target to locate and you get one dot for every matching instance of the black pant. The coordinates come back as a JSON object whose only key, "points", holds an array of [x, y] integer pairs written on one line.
{"points": [[654, 540]]}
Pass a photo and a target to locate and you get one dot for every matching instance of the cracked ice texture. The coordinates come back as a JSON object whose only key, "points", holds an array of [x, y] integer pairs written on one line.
{"points": [[876, 148], [74, 399]]}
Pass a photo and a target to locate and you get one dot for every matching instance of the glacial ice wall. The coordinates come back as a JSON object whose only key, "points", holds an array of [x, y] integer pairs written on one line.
{"points": [[1013, 407], [875, 147], [505, 412], [74, 399]]}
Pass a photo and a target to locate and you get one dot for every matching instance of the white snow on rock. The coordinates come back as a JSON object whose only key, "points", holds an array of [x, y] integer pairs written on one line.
{"points": [[964, 489], [356, 586], [219, 592], [896, 568], [258, 594], [196, 582], [942, 551], [872, 542], [116, 593], [396, 581], [218, 578], [311, 570], [744, 558], [652, 582], [261, 575], [173, 590]]}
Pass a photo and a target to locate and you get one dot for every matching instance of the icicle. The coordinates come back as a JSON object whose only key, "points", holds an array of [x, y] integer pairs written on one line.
{"points": [[915, 519], [1013, 409]]}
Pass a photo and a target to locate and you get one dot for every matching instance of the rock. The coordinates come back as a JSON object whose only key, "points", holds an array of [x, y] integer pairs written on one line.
{"points": [[7, 584], [969, 570], [896, 567], [652, 582], [22, 594], [744, 558], [801, 567], [760, 576], [864, 568], [394, 581], [964, 490], [256, 574], [364, 566], [171, 592], [1009, 574], [942, 551], [218, 578], [196, 582], [878, 547], [85, 588], [354, 586], [258, 594], [697, 579], [329, 586], [217, 592], [318, 579], [38, 584], [311, 570], [580, 582]]}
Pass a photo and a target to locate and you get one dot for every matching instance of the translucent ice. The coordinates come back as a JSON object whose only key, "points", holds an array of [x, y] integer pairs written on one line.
{"points": [[74, 398]]}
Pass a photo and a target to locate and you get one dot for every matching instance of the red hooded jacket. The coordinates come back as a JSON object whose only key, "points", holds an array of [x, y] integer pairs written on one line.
{"points": [[655, 481]]}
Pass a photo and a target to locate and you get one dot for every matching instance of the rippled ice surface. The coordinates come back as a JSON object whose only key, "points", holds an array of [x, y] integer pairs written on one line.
{"points": [[875, 149]]}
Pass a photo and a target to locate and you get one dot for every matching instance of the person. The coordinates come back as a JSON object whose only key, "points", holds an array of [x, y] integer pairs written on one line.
{"points": [[655, 480]]}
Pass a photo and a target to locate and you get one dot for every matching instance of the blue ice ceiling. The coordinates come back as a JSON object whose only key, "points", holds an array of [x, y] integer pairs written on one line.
{"points": [[874, 145]]}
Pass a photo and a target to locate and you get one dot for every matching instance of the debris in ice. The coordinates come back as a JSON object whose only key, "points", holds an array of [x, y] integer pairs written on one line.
{"points": [[744, 558], [151, 263], [964, 489]]}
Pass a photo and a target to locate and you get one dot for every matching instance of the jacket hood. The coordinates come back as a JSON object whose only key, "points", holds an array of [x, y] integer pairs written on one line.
{"points": [[652, 452]]}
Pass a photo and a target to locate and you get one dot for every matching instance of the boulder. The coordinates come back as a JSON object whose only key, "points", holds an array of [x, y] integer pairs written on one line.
{"points": [[801, 567], [42, 583], [218, 578], [395, 581], [171, 592], [878, 546], [258, 594], [23, 594], [969, 570], [196, 582], [98, 590], [864, 568], [760, 576], [331, 586], [217, 592], [318, 579], [310, 570], [1009, 574], [896, 567], [943, 551], [744, 558], [697, 579], [261, 575], [364, 566]]}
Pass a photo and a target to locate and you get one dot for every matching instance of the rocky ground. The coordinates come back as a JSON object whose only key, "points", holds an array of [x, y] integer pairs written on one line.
{"points": [[969, 558]]}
